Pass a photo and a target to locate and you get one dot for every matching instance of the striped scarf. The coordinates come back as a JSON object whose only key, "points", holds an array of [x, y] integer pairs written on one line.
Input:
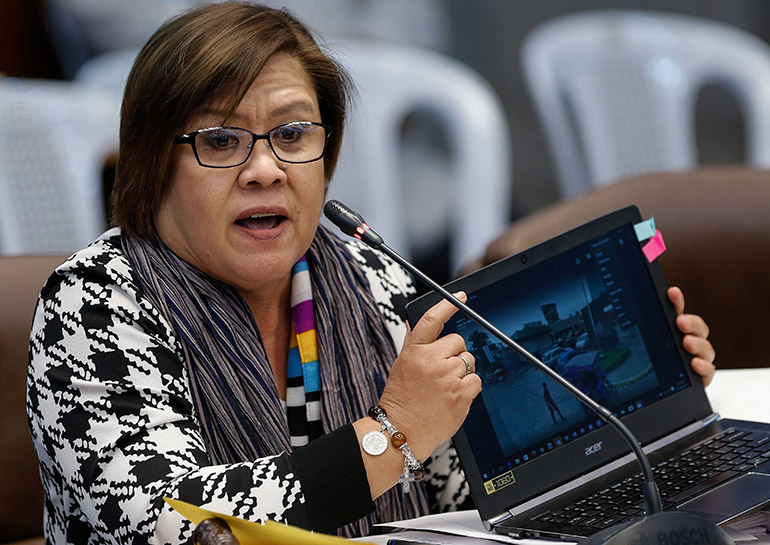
{"points": [[230, 378], [303, 383]]}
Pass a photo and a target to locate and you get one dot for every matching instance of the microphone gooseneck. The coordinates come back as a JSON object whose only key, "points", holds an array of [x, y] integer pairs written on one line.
{"points": [[351, 223]]}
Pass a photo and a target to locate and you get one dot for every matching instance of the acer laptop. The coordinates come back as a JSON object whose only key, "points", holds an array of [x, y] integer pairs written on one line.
{"points": [[590, 306]]}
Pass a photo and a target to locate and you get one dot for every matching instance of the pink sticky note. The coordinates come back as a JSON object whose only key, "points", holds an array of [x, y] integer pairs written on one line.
{"points": [[654, 247]]}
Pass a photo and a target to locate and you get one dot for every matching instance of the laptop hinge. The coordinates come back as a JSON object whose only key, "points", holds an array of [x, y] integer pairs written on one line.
{"points": [[494, 521], [611, 466]]}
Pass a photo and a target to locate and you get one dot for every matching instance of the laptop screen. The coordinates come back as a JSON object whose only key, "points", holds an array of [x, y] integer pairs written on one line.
{"points": [[592, 314], [590, 306]]}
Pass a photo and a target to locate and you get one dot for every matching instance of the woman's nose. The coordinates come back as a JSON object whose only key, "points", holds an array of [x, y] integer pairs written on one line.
{"points": [[262, 167]]}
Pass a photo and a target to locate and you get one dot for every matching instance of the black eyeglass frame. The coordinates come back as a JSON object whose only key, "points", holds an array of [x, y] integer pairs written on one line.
{"points": [[189, 138]]}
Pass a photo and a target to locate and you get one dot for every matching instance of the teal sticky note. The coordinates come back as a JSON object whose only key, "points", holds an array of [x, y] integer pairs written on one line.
{"points": [[645, 229]]}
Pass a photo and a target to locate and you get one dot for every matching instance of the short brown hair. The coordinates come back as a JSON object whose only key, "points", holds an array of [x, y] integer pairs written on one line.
{"points": [[211, 52]]}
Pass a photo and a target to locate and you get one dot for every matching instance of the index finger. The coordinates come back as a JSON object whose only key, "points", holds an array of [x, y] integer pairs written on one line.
{"points": [[429, 327]]}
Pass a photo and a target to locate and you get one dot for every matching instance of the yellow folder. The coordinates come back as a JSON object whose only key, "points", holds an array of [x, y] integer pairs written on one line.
{"points": [[255, 533]]}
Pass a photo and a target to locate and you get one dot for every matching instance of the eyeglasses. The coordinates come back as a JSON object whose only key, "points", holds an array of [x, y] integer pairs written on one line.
{"points": [[224, 147]]}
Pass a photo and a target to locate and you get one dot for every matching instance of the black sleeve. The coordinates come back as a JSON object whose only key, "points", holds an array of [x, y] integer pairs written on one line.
{"points": [[334, 480]]}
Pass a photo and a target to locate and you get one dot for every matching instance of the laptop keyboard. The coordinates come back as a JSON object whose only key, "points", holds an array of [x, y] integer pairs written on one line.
{"points": [[707, 464]]}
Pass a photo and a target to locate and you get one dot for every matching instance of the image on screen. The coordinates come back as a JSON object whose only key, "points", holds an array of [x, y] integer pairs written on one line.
{"points": [[590, 314]]}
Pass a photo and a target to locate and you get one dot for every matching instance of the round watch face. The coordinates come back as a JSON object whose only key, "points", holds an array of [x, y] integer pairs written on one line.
{"points": [[374, 443]]}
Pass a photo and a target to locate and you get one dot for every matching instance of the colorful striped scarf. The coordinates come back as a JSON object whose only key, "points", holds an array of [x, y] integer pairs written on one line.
{"points": [[303, 384], [231, 380]]}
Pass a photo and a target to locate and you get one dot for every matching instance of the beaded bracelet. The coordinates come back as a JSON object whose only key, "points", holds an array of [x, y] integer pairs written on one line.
{"points": [[375, 443]]}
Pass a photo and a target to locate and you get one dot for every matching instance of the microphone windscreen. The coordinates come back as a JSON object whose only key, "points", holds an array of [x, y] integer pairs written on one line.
{"points": [[351, 223], [333, 208]]}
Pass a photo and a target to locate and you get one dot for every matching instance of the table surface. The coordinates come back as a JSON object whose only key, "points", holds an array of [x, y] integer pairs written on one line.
{"points": [[741, 393]]}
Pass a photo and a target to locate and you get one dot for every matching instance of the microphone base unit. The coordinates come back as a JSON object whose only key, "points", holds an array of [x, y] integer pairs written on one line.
{"points": [[668, 528]]}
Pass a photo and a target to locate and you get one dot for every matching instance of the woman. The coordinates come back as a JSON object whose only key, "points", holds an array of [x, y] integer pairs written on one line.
{"points": [[221, 347]]}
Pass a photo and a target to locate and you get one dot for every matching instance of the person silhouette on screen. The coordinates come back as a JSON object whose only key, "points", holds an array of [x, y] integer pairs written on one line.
{"points": [[552, 404]]}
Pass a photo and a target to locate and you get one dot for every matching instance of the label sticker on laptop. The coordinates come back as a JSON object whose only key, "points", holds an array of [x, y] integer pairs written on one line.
{"points": [[645, 229], [499, 482], [654, 247]]}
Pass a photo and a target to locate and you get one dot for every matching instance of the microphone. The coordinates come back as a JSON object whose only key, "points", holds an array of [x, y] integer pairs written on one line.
{"points": [[351, 223], [656, 522]]}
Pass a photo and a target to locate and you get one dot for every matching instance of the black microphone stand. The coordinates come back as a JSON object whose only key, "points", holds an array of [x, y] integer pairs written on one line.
{"points": [[652, 526]]}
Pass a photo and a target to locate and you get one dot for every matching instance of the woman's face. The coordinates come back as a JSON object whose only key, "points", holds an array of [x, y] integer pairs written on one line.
{"points": [[248, 225]]}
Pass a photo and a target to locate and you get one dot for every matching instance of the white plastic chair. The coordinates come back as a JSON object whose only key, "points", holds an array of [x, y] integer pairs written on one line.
{"points": [[378, 174], [54, 140], [616, 90], [108, 71]]}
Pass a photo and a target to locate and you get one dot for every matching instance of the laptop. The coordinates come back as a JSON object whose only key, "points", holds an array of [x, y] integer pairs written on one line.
{"points": [[593, 308]]}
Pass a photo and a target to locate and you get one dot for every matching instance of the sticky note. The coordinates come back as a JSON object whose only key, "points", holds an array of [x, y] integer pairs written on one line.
{"points": [[654, 247], [645, 229]]}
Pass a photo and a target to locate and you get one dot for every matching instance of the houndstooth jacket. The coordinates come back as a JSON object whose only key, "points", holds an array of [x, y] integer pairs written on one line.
{"points": [[115, 429]]}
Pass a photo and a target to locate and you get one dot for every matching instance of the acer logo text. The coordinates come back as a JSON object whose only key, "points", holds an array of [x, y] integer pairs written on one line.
{"points": [[593, 449]]}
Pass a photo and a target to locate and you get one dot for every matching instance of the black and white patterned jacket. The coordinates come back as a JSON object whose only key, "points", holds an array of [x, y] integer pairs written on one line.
{"points": [[115, 430]]}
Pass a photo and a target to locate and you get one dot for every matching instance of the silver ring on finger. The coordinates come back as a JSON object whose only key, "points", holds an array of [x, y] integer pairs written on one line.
{"points": [[467, 365]]}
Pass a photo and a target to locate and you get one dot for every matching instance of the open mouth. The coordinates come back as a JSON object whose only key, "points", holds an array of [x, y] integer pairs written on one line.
{"points": [[261, 222]]}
